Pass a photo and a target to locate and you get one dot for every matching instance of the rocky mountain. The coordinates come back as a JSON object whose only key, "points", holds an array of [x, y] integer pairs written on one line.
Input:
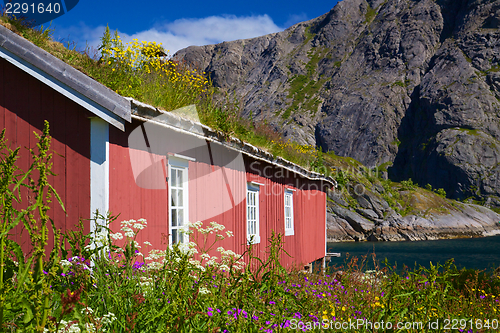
{"points": [[412, 83]]}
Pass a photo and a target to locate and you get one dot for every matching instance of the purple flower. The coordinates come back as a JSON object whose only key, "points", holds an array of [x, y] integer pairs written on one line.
{"points": [[210, 314], [272, 302]]}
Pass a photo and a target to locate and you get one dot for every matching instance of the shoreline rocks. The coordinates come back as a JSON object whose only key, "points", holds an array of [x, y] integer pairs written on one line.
{"points": [[468, 220]]}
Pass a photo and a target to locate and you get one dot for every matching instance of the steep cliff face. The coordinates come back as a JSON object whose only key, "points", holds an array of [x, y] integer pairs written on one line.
{"points": [[415, 83]]}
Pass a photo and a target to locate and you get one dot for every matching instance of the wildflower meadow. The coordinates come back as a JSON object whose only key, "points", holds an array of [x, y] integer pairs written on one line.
{"points": [[107, 281]]}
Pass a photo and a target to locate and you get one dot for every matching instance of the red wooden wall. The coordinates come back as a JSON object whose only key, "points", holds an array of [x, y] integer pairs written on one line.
{"points": [[25, 103], [217, 192]]}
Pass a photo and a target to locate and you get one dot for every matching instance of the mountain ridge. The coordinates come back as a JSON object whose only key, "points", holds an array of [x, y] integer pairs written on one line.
{"points": [[412, 83]]}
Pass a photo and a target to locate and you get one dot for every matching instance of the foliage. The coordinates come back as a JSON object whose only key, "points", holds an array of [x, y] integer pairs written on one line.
{"points": [[408, 185], [342, 179], [441, 192], [370, 14], [24, 283]]}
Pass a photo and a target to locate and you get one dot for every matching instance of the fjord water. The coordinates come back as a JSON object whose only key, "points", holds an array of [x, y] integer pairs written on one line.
{"points": [[477, 253]]}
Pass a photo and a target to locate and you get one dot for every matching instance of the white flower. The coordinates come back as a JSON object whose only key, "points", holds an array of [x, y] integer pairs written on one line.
{"points": [[87, 310], [90, 327], [187, 249], [117, 236], [229, 233], [108, 318], [71, 329], [125, 223], [139, 226], [154, 265], [130, 234], [204, 291], [185, 230], [65, 263], [147, 243], [195, 225]]}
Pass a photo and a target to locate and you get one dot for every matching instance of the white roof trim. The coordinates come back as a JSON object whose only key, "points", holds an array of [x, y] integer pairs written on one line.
{"points": [[63, 89], [314, 176]]}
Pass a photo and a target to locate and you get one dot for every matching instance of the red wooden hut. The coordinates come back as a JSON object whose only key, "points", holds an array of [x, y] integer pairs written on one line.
{"points": [[119, 155]]}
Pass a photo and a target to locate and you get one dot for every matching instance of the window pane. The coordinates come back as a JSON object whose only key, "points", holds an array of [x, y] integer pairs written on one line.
{"points": [[180, 195], [175, 235], [174, 198], [174, 217], [173, 178], [179, 178], [180, 217]]}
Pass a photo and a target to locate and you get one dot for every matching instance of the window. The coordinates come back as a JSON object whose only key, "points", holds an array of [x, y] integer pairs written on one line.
{"points": [[178, 199], [253, 234], [288, 213]]}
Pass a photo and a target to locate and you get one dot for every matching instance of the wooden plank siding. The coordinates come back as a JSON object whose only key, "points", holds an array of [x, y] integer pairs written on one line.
{"points": [[217, 192], [130, 200], [25, 103]]}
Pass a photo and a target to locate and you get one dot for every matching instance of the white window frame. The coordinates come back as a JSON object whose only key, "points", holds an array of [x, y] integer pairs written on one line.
{"points": [[253, 189], [175, 163], [289, 227]]}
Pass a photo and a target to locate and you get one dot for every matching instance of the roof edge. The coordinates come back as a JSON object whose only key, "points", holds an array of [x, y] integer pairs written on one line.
{"points": [[64, 73], [146, 112]]}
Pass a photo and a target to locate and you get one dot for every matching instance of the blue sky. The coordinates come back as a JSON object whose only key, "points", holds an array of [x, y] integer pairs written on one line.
{"points": [[178, 24]]}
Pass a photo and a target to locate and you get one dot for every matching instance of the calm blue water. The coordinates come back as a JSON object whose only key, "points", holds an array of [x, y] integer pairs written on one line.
{"points": [[478, 253]]}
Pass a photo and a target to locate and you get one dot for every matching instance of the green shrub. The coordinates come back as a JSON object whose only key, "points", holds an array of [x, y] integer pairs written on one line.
{"points": [[408, 185], [441, 192]]}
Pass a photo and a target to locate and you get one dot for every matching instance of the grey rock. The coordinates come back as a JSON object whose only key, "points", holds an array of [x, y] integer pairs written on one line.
{"points": [[356, 221], [379, 188], [339, 230], [368, 213], [337, 198], [363, 202]]}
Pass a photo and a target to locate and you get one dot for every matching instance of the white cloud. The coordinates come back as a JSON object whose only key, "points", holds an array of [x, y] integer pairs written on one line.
{"points": [[181, 33]]}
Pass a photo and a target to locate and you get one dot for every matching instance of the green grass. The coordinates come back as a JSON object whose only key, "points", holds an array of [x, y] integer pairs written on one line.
{"points": [[370, 14], [304, 88]]}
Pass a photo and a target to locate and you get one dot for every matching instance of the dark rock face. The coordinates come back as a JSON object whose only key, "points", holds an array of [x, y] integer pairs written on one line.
{"points": [[416, 83]]}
